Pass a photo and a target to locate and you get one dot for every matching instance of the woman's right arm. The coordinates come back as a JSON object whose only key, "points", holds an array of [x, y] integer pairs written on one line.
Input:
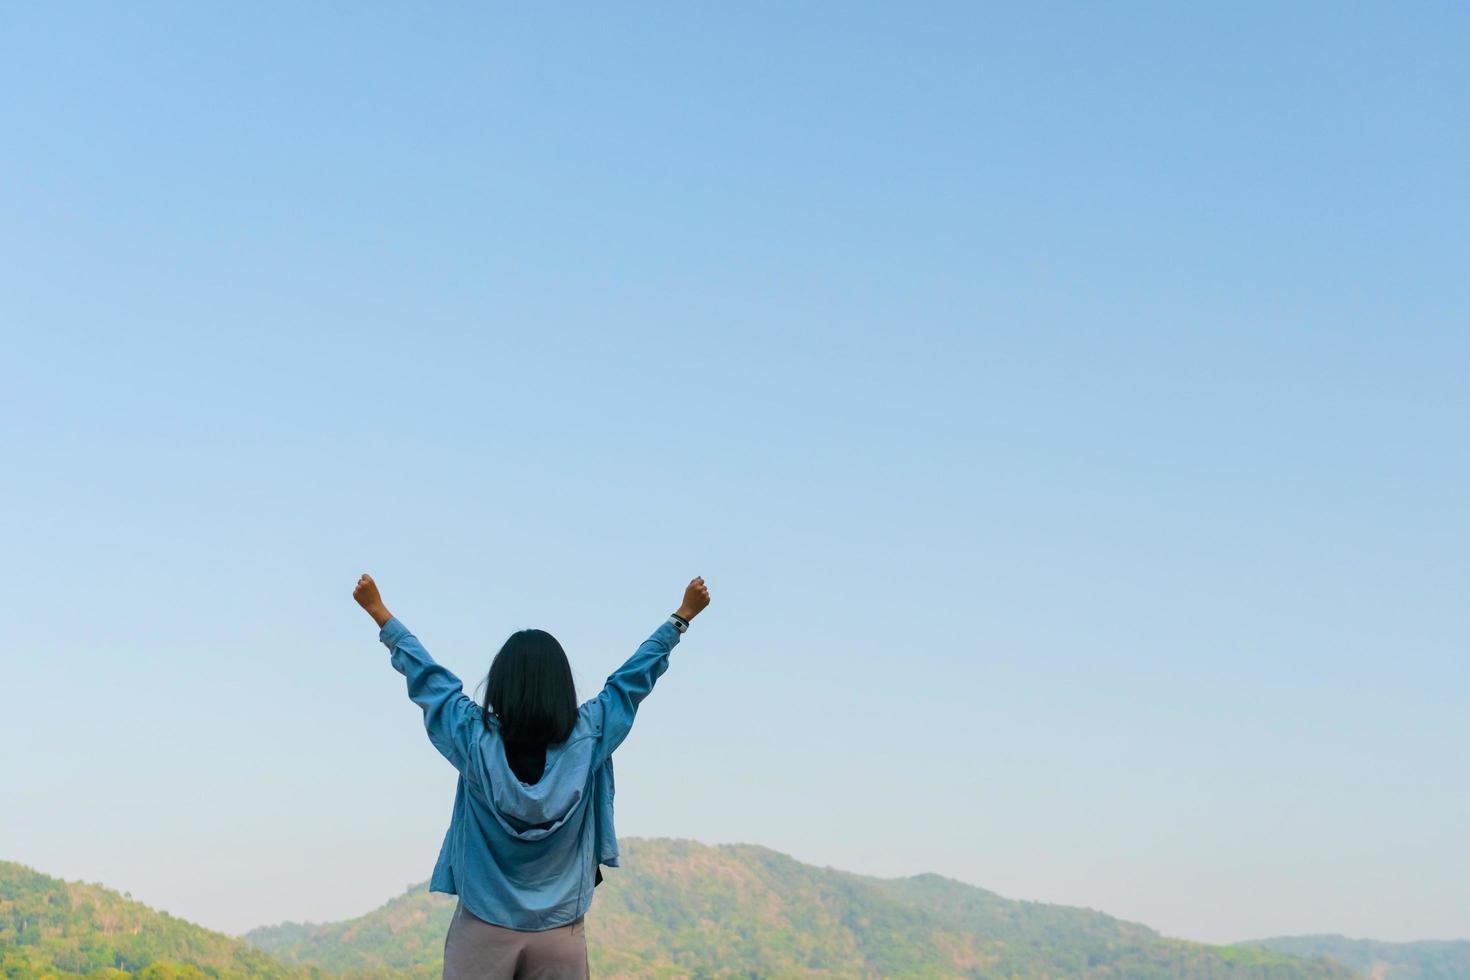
{"points": [[452, 718], [632, 682]]}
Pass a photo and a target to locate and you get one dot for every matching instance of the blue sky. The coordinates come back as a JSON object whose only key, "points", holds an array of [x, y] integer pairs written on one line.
{"points": [[1065, 406]]}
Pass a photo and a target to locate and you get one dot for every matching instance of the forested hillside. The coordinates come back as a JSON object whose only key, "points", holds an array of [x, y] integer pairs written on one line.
{"points": [[50, 927], [1426, 960], [682, 909]]}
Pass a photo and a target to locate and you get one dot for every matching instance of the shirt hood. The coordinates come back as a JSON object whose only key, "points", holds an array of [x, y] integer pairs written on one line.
{"points": [[532, 812]]}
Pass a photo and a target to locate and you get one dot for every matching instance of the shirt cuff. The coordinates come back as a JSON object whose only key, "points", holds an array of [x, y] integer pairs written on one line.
{"points": [[392, 632]]}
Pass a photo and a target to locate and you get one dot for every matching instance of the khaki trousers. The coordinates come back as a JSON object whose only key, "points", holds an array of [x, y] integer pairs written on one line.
{"points": [[478, 950]]}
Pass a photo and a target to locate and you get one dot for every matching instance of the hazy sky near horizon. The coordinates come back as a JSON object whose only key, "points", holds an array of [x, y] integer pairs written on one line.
{"points": [[1067, 407]]}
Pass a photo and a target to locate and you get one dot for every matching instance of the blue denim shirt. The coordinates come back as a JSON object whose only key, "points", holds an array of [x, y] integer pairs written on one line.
{"points": [[521, 856]]}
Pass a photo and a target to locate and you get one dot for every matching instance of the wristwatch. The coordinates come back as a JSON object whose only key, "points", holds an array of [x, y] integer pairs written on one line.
{"points": [[680, 623]]}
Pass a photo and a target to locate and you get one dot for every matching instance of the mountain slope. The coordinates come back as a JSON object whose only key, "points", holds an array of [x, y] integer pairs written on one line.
{"points": [[1426, 960], [678, 908], [50, 927]]}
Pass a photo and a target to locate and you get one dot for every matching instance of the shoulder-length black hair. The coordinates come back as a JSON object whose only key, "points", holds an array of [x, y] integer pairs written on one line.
{"points": [[531, 691]]}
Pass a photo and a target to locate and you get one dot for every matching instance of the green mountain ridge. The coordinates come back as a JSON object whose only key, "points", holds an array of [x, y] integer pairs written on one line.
{"points": [[1427, 959], [679, 908], [55, 928]]}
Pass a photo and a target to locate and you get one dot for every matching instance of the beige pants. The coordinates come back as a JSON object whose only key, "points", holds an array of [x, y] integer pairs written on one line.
{"points": [[478, 950]]}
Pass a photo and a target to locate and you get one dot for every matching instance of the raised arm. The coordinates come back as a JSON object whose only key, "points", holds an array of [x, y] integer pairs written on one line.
{"points": [[452, 719], [632, 682]]}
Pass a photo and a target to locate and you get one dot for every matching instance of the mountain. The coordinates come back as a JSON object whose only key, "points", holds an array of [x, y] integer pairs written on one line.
{"points": [[683, 909], [678, 908], [1426, 960], [55, 928]]}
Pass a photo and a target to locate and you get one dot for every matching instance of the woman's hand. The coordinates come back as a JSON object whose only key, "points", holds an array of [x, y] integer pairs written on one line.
{"points": [[696, 597], [367, 596]]}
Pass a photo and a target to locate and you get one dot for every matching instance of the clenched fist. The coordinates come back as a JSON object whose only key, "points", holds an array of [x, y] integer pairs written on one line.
{"points": [[367, 596], [696, 597]]}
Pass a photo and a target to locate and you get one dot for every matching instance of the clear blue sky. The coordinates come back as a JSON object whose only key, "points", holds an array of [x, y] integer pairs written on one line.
{"points": [[1067, 408]]}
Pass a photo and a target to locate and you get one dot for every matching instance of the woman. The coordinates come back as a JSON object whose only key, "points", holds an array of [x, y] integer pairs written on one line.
{"points": [[533, 809]]}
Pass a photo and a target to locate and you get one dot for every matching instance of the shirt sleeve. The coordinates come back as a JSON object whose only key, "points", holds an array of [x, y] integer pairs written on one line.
{"points": [[631, 683], [452, 718]]}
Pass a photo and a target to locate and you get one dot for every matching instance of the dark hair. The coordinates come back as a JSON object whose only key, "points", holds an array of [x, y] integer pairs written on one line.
{"points": [[530, 689]]}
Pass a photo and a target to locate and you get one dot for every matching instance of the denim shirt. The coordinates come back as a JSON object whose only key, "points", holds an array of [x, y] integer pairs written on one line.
{"points": [[517, 855]]}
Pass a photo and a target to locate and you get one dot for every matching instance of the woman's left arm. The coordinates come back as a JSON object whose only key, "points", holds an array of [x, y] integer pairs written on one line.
{"points": [[452, 719]]}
